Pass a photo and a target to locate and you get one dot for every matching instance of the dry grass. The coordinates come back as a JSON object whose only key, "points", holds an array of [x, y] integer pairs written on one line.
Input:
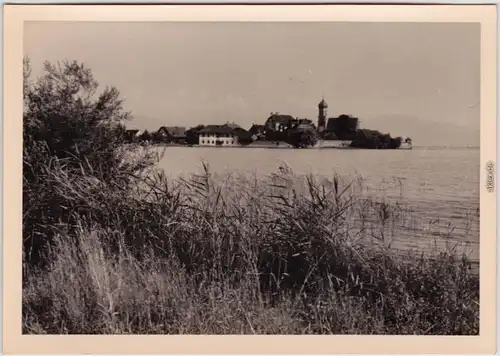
{"points": [[206, 255]]}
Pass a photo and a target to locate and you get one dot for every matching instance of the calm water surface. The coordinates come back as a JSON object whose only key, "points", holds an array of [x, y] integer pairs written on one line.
{"points": [[440, 185]]}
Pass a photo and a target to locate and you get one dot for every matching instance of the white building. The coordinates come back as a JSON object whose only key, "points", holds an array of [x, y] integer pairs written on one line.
{"points": [[218, 135]]}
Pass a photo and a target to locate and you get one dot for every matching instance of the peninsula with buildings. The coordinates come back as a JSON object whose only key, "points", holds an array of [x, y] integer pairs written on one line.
{"points": [[278, 131]]}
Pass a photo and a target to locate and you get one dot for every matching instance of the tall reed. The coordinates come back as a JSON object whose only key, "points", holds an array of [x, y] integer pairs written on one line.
{"points": [[241, 254]]}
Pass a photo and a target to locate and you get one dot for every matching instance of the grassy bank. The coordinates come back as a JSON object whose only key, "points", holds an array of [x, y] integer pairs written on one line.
{"points": [[241, 255], [110, 245]]}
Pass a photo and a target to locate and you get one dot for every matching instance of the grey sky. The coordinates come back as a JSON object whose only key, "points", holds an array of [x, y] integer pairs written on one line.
{"points": [[416, 79]]}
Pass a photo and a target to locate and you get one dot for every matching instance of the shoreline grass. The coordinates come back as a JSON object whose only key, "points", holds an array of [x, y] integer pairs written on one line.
{"points": [[240, 255]]}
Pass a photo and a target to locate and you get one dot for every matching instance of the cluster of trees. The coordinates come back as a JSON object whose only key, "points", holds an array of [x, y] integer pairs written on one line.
{"points": [[301, 138], [146, 136], [155, 137], [192, 134], [372, 139]]}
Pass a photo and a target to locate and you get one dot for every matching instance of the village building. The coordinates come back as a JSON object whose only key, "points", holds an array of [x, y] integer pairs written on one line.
{"points": [[172, 133], [344, 127], [220, 135], [258, 132], [277, 122], [343, 123], [132, 135]]}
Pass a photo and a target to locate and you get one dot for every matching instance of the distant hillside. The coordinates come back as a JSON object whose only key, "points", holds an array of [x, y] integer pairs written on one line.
{"points": [[423, 132]]}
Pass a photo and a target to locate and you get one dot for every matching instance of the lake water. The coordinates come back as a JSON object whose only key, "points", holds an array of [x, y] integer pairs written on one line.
{"points": [[441, 185]]}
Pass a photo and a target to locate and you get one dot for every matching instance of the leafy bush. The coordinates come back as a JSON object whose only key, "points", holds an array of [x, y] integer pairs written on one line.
{"points": [[73, 132]]}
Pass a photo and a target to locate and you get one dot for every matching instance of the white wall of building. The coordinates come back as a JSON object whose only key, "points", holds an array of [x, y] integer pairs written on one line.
{"points": [[211, 140]]}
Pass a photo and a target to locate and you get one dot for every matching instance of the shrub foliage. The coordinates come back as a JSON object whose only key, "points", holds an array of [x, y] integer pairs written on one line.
{"points": [[72, 135]]}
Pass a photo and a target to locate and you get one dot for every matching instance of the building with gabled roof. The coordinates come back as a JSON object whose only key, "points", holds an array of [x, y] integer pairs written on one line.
{"points": [[173, 131], [223, 135], [277, 122]]}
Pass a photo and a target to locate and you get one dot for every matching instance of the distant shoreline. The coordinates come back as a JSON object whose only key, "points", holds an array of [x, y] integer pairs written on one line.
{"points": [[327, 144], [286, 146]]}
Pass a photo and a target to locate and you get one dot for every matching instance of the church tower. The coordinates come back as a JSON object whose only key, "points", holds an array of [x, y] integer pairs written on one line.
{"points": [[322, 113]]}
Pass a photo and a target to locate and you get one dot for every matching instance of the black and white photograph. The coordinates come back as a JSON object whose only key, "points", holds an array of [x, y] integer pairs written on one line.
{"points": [[240, 178]]}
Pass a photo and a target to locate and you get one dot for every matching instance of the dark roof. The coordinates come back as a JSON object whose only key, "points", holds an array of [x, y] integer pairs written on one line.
{"points": [[322, 104], [132, 131], [173, 130], [281, 118], [225, 129], [345, 116], [242, 133], [257, 128], [217, 129]]}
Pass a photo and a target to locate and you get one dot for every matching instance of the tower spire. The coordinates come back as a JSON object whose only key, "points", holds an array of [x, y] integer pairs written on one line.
{"points": [[322, 114]]}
